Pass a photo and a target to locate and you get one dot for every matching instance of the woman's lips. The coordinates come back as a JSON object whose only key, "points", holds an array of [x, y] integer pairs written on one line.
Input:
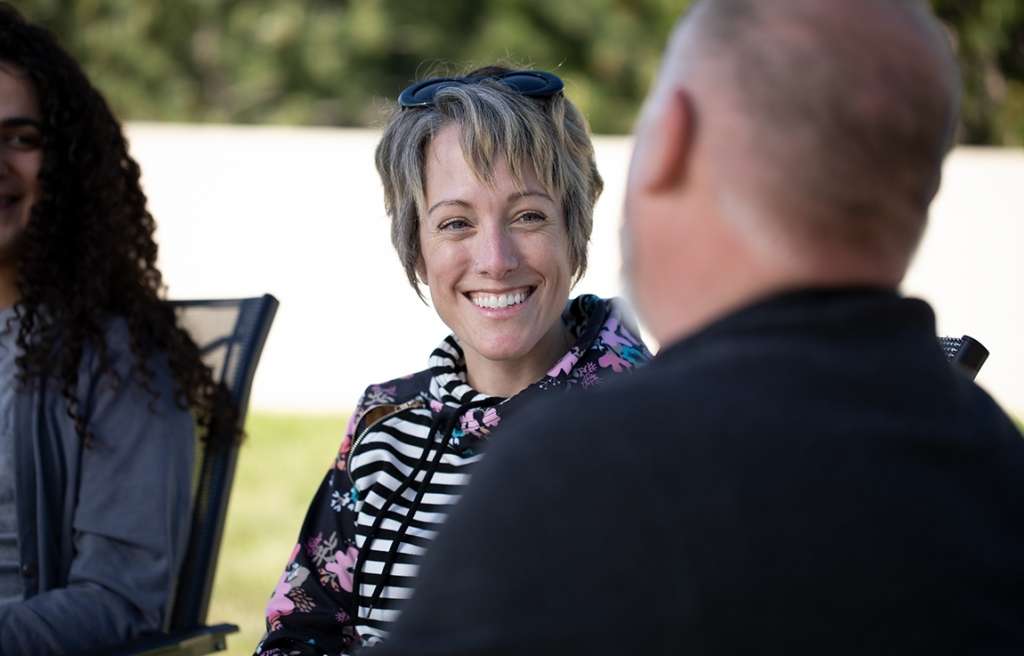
{"points": [[10, 208]]}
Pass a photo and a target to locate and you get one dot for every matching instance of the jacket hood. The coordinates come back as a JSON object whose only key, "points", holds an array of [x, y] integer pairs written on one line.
{"points": [[604, 343], [461, 418]]}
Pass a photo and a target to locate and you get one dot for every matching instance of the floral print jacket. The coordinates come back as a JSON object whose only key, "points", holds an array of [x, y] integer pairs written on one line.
{"points": [[313, 608]]}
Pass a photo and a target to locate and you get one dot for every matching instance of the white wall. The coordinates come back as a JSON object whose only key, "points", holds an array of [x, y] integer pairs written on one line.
{"points": [[299, 213]]}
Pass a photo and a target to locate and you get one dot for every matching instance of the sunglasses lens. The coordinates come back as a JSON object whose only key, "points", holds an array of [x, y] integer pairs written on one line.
{"points": [[422, 94], [535, 84]]}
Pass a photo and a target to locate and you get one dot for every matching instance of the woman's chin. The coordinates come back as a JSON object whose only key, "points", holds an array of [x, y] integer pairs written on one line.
{"points": [[529, 348], [505, 353]]}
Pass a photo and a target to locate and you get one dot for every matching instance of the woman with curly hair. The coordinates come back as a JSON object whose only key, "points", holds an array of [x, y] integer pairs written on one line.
{"points": [[101, 392]]}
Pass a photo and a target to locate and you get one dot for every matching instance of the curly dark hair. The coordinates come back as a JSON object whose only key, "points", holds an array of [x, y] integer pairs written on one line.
{"points": [[87, 255]]}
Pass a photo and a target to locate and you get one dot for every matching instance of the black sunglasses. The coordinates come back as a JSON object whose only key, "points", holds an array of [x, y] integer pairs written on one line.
{"points": [[533, 84]]}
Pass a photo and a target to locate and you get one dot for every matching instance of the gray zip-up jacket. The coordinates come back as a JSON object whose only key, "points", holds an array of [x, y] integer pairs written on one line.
{"points": [[102, 528]]}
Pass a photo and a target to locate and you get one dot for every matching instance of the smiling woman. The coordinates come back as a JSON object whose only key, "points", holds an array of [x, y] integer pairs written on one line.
{"points": [[21, 157], [490, 184], [101, 392]]}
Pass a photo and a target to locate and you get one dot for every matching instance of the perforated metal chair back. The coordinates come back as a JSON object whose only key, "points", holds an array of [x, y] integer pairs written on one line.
{"points": [[966, 352], [230, 335]]}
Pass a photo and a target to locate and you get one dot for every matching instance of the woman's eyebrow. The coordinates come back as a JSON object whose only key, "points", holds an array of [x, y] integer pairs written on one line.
{"points": [[526, 193], [443, 203], [511, 199], [20, 121]]}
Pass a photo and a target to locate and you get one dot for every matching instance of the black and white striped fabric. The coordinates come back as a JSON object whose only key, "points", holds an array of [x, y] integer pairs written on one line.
{"points": [[385, 457]]}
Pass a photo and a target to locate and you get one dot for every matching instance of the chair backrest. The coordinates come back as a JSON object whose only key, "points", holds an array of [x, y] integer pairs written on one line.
{"points": [[966, 352], [230, 335]]}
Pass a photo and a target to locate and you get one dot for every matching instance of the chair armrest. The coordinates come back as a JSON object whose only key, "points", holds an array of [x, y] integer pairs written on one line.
{"points": [[186, 642]]}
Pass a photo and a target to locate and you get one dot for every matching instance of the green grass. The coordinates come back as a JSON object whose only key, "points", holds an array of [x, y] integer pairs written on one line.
{"points": [[280, 466]]}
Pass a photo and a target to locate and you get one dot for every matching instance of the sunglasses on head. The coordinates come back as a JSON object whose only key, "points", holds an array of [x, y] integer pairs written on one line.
{"points": [[533, 84]]}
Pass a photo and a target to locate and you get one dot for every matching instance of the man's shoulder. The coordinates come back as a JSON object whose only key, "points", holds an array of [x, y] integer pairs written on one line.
{"points": [[649, 407], [758, 397], [655, 387]]}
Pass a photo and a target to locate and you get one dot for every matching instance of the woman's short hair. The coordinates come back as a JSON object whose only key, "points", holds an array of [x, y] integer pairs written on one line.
{"points": [[548, 135]]}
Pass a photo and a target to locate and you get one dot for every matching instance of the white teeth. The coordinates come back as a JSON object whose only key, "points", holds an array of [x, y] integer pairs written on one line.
{"points": [[498, 301]]}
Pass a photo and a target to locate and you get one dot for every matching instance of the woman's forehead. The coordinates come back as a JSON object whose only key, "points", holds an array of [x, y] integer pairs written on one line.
{"points": [[447, 165], [17, 93]]}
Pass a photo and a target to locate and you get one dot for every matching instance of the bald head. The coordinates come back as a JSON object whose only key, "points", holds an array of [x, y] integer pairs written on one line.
{"points": [[834, 115]]}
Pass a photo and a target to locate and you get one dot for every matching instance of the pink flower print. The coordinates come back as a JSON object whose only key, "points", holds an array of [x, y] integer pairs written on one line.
{"points": [[378, 394], [469, 423], [435, 405], [313, 543], [279, 603], [294, 576], [491, 418], [352, 420], [479, 421], [611, 359], [341, 461], [610, 335], [564, 365], [342, 565]]}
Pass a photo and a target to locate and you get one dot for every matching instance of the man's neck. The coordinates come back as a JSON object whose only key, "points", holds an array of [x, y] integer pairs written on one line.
{"points": [[723, 294], [719, 298]]}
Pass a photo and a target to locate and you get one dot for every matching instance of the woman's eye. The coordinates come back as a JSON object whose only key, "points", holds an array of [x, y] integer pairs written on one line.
{"points": [[23, 140], [531, 217], [454, 224]]}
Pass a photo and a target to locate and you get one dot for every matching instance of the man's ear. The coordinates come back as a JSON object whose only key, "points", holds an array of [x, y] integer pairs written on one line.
{"points": [[670, 141]]}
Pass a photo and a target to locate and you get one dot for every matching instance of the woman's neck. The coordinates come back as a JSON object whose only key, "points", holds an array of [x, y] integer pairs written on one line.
{"points": [[507, 378], [8, 285]]}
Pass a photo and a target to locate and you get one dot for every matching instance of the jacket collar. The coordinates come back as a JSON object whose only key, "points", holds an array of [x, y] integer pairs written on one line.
{"points": [[605, 343], [832, 312]]}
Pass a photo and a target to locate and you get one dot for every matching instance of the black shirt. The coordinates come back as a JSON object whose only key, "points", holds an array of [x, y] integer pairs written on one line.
{"points": [[807, 475]]}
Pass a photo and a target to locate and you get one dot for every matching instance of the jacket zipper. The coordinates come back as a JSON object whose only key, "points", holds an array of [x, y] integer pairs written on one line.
{"points": [[408, 405]]}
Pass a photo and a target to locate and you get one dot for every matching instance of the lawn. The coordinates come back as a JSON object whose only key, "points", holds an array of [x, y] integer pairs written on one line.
{"points": [[280, 465]]}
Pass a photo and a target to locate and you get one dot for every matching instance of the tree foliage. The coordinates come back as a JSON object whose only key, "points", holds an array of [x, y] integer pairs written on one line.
{"points": [[336, 62]]}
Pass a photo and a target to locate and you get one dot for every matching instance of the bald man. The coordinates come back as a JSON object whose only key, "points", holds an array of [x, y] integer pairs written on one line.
{"points": [[799, 471]]}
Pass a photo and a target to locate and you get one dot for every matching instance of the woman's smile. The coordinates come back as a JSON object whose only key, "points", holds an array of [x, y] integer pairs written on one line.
{"points": [[500, 301]]}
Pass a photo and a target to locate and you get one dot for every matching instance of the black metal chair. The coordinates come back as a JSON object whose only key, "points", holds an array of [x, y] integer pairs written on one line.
{"points": [[966, 352], [230, 335]]}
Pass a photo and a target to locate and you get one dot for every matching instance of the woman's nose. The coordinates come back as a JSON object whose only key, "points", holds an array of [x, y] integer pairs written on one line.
{"points": [[496, 253]]}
